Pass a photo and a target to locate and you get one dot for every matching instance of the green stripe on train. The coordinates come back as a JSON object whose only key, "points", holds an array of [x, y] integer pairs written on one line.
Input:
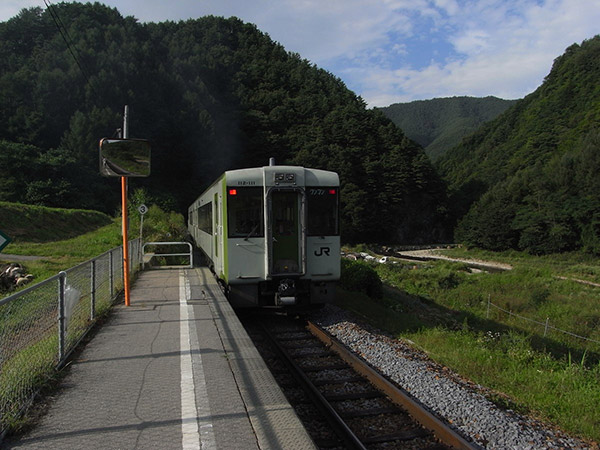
{"points": [[225, 231]]}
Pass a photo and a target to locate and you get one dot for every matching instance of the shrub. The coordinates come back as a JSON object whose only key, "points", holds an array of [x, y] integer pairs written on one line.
{"points": [[360, 276], [448, 281], [539, 296], [160, 225]]}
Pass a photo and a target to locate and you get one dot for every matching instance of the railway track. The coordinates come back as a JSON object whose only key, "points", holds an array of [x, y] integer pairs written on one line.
{"points": [[343, 402]]}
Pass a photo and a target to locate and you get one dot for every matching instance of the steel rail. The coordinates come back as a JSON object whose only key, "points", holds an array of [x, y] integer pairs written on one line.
{"points": [[343, 431], [443, 432]]}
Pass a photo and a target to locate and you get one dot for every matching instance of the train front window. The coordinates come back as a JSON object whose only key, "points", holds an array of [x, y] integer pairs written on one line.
{"points": [[322, 210], [245, 212]]}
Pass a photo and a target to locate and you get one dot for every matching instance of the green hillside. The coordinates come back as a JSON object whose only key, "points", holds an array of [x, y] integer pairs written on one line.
{"points": [[55, 239], [441, 123], [529, 179], [211, 94], [28, 223]]}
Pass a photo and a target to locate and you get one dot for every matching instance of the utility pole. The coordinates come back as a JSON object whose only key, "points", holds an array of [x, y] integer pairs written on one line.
{"points": [[124, 215]]}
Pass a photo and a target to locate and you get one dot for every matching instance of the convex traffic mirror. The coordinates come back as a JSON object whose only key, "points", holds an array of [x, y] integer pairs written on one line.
{"points": [[124, 157]]}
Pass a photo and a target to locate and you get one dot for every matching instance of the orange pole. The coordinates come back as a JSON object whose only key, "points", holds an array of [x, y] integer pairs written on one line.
{"points": [[125, 240]]}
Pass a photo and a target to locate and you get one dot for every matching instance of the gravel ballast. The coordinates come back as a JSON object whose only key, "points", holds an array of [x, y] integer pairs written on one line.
{"points": [[442, 391]]}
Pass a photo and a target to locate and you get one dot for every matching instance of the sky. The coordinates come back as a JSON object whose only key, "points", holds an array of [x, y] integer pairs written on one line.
{"points": [[392, 51]]}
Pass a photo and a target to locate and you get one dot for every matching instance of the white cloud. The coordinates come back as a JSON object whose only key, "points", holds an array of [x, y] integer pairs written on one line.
{"points": [[502, 48], [10, 8], [324, 31], [450, 7]]}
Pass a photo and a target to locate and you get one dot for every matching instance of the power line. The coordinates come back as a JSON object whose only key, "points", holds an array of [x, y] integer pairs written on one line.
{"points": [[69, 42]]}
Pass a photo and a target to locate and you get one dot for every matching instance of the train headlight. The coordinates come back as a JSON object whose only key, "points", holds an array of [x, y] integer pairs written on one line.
{"points": [[287, 178]]}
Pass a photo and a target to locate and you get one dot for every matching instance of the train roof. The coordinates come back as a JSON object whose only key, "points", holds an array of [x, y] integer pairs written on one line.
{"points": [[267, 176]]}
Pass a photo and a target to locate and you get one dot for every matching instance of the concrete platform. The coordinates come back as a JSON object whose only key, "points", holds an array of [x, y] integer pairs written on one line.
{"points": [[174, 370]]}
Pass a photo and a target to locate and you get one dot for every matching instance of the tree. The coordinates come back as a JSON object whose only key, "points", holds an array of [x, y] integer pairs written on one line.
{"points": [[210, 94]]}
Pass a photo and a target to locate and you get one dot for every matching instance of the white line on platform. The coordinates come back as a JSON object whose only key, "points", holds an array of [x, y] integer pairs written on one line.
{"points": [[191, 424]]}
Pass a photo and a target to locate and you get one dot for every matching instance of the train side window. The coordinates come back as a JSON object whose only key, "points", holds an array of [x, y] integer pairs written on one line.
{"points": [[322, 211], [205, 218], [245, 212]]}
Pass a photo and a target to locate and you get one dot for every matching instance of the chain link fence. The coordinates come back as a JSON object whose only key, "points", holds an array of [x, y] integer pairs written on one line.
{"points": [[41, 325]]}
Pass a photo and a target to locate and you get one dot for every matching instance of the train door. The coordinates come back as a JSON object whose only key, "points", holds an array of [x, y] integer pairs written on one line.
{"points": [[216, 230], [286, 232], [218, 237]]}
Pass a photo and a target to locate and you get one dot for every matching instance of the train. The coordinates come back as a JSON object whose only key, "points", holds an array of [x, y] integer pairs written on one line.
{"points": [[271, 235]]}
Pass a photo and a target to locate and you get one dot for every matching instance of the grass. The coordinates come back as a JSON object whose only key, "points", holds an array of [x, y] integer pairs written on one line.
{"points": [[69, 236], [531, 291], [62, 238], [578, 265], [63, 254], [29, 223], [565, 394], [29, 368], [442, 308], [28, 354]]}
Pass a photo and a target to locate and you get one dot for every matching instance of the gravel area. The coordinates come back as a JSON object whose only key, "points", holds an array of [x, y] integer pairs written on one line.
{"points": [[346, 388], [381, 425], [319, 362], [299, 352], [326, 375], [442, 391], [363, 403]]}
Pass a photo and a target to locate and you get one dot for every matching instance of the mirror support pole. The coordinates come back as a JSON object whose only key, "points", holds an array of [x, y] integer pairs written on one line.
{"points": [[124, 214], [125, 241], [124, 158]]}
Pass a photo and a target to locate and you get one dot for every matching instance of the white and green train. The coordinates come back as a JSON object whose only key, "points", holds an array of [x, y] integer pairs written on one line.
{"points": [[271, 235]]}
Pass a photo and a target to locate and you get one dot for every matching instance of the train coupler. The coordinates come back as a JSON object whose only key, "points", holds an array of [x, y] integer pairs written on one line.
{"points": [[286, 293]]}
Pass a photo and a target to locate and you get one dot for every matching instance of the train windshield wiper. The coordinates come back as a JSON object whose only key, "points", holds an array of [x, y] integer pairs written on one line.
{"points": [[251, 232]]}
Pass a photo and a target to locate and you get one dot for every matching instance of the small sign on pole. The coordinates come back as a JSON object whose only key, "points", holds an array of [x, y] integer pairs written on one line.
{"points": [[4, 240], [143, 209]]}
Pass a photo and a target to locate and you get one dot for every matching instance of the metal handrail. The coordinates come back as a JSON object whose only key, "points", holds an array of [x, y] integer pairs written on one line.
{"points": [[151, 254]]}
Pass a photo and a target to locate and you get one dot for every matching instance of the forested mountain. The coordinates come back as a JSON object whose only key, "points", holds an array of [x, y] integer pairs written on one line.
{"points": [[530, 178], [440, 124], [211, 94]]}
